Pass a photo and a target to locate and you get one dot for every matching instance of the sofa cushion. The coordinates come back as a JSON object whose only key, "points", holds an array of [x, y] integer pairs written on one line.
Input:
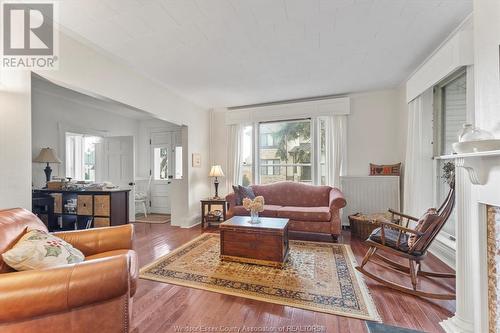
{"points": [[38, 250], [424, 223], [318, 214], [269, 211], [294, 194], [391, 237]]}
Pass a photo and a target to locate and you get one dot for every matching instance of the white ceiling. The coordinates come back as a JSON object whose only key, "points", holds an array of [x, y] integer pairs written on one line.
{"points": [[238, 52]]}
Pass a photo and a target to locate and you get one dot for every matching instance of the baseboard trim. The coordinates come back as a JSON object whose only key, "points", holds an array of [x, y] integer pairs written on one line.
{"points": [[191, 226], [191, 222], [443, 251]]}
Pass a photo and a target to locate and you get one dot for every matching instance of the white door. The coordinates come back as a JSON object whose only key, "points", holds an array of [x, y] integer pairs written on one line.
{"points": [[162, 169], [115, 164]]}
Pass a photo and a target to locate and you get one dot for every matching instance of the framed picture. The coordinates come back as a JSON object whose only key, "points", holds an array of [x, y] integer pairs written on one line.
{"points": [[196, 160]]}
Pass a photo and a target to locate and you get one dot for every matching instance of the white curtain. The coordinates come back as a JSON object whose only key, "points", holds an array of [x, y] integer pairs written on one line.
{"points": [[418, 184], [336, 149], [233, 156]]}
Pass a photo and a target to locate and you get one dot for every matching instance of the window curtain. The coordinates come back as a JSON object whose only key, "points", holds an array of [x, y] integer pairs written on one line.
{"points": [[418, 184], [336, 149], [233, 156]]}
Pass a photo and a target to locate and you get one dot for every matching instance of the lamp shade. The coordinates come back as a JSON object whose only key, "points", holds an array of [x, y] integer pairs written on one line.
{"points": [[47, 155], [216, 171]]}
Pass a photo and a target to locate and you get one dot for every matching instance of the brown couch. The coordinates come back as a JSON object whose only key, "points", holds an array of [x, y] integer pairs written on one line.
{"points": [[92, 296], [310, 208]]}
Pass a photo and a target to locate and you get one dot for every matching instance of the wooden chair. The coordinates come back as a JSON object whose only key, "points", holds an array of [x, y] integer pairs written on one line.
{"points": [[393, 238]]}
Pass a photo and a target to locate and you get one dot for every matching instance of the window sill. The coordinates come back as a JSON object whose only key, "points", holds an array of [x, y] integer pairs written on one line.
{"points": [[444, 249], [445, 240]]}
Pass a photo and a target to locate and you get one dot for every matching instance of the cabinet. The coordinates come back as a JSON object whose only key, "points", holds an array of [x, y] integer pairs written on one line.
{"points": [[84, 205], [93, 208], [102, 205]]}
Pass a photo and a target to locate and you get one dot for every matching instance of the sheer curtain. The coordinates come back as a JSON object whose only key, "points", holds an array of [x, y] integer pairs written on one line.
{"points": [[418, 184], [233, 156], [336, 149]]}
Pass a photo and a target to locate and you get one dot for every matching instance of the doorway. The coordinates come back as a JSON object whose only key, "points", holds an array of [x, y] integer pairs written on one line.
{"points": [[163, 145], [98, 140]]}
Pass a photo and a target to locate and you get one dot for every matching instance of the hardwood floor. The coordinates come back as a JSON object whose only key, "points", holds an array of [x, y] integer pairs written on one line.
{"points": [[161, 307]]}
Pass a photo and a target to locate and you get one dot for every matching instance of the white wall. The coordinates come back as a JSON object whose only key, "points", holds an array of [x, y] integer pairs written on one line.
{"points": [[487, 116], [15, 139], [372, 134], [54, 114], [85, 69], [486, 47], [372, 130]]}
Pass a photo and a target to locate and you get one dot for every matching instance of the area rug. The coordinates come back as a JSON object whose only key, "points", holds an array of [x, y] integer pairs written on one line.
{"points": [[153, 218], [317, 276]]}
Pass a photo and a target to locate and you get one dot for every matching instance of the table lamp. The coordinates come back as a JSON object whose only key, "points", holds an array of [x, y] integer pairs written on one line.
{"points": [[216, 171], [47, 155]]}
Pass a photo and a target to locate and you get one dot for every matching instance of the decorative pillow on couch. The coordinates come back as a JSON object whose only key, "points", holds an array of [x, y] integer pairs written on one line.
{"points": [[425, 222], [38, 249], [385, 170], [242, 192]]}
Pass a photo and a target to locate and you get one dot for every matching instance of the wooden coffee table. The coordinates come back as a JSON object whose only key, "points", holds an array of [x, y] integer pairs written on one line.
{"points": [[265, 243]]}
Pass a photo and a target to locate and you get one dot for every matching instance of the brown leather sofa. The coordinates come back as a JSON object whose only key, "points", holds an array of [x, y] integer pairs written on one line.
{"points": [[92, 296], [310, 208]]}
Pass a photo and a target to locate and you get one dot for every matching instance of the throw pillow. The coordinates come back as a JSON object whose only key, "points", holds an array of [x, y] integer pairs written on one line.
{"points": [[37, 250], [242, 192], [385, 170], [238, 200], [246, 192], [426, 221]]}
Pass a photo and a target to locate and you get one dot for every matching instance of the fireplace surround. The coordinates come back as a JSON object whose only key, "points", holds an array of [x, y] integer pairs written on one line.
{"points": [[493, 254], [478, 243]]}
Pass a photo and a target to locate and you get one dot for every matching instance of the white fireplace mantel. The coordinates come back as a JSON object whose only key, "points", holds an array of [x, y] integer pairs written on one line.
{"points": [[474, 164], [476, 179]]}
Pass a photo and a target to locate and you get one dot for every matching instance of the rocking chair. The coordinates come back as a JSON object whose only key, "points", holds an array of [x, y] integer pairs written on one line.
{"points": [[393, 238]]}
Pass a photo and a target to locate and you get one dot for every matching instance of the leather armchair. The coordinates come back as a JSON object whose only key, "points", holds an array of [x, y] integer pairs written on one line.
{"points": [[92, 296]]}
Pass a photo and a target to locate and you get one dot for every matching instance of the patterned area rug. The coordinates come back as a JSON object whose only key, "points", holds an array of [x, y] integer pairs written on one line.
{"points": [[317, 276]]}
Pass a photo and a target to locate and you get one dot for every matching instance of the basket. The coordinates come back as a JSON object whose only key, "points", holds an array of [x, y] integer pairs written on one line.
{"points": [[362, 225]]}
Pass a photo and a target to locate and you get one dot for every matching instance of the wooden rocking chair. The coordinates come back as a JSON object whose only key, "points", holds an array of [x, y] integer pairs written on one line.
{"points": [[393, 238]]}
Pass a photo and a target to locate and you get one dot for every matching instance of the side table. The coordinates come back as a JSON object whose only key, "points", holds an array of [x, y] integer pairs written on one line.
{"points": [[206, 207]]}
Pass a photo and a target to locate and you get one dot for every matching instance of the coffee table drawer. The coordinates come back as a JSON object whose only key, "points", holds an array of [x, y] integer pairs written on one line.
{"points": [[253, 250], [248, 237]]}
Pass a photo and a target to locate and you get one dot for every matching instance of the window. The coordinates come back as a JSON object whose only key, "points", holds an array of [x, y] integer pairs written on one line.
{"points": [[267, 140], [290, 153], [450, 113], [270, 170], [288, 150], [178, 162], [81, 156], [160, 160]]}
